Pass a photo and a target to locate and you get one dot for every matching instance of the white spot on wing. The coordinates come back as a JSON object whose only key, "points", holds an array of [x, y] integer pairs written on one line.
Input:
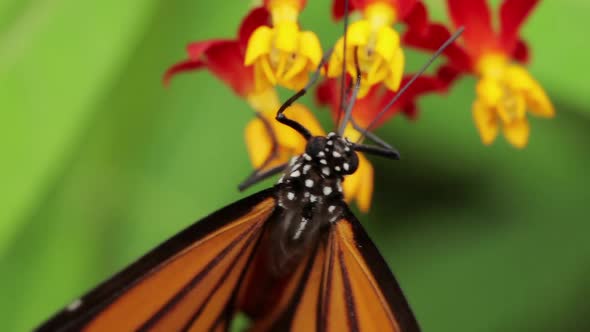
{"points": [[309, 183], [291, 196], [323, 162], [307, 157], [326, 170], [295, 174], [306, 168], [331, 208], [327, 191], [336, 154], [313, 198]]}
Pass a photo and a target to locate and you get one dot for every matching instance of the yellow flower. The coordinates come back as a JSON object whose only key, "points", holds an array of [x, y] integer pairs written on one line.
{"points": [[377, 44], [359, 185], [505, 92], [283, 54]]}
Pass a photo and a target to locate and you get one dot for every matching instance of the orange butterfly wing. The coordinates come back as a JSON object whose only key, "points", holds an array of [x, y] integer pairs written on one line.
{"points": [[185, 283], [343, 284]]}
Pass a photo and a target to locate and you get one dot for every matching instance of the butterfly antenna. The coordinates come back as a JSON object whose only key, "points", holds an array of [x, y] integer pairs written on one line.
{"points": [[411, 81], [343, 77], [352, 99]]}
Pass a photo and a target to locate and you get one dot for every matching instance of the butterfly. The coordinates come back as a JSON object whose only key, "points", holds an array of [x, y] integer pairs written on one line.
{"points": [[292, 257]]}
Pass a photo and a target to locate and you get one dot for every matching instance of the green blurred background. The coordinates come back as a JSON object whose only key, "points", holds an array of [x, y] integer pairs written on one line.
{"points": [[100, 163]]}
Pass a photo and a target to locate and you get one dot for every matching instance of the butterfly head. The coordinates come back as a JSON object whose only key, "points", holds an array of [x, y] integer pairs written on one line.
{"points": [[333, 153]]}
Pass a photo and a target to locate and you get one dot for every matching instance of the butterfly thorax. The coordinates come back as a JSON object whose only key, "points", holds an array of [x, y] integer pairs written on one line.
{"points": [[310, 194]]}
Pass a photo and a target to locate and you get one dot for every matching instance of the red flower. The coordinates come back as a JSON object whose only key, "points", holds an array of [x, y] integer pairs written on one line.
{"points": [[505, 91], [225, 58]]}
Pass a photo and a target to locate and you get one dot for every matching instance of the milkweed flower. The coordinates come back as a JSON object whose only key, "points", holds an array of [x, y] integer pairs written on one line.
{"points": [[225, 60], [281, 53], [505, 91], [377, 45]]}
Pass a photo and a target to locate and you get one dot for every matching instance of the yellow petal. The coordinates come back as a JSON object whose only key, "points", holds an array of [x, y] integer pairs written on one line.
{"points": [[286, 39], [365, 191], [258, 142], [260, 77], [358, 33], [512, 108], [387, 44], [335, 63], [394, 80], [536, 98], [310, 47], [259, 44], [296, 67], [351, 185], [296, 82], [266, 69], [363, 89], [265, 100], [486, 122], [489, 91], [517, 133], [376, 72]]}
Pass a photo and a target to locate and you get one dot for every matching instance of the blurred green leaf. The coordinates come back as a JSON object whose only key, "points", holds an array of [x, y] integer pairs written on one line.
{"points": [[57, 58]]}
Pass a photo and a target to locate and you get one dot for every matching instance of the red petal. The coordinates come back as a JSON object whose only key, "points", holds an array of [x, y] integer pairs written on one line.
{"points": [[256, 18], [447, 74], [521, 52], [198, 49], [474, 15], [226, 61], [181, 67], [417, 19], [513, 13], [403, 7], [431, 37]]}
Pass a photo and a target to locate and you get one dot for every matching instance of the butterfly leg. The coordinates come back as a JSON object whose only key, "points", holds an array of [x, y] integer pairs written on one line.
{"points": [[258, 176], [381, 151]]}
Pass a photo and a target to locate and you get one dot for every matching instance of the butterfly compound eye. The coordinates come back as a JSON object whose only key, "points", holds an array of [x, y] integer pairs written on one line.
{"points": [[353, 163], [315, 145]]}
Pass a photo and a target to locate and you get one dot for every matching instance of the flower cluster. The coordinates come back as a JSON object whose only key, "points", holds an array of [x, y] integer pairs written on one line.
{"points": [[273, 50]]}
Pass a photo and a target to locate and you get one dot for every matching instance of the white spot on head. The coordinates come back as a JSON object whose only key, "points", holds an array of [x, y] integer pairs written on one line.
{"points": [[346, 148], [313, 198], [339, 186], [346, 166], [331, 208], [326, 170], [330, 143], [74, 305], [292, 161], [307, 157], [295, 174], [306, 194], [323, 161], [327, 191], [326, 149], [331, 134], [309, 183], [296, 166], [306, 168], [336, 154], [291, 196], [321, 154], [337, 168]]}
